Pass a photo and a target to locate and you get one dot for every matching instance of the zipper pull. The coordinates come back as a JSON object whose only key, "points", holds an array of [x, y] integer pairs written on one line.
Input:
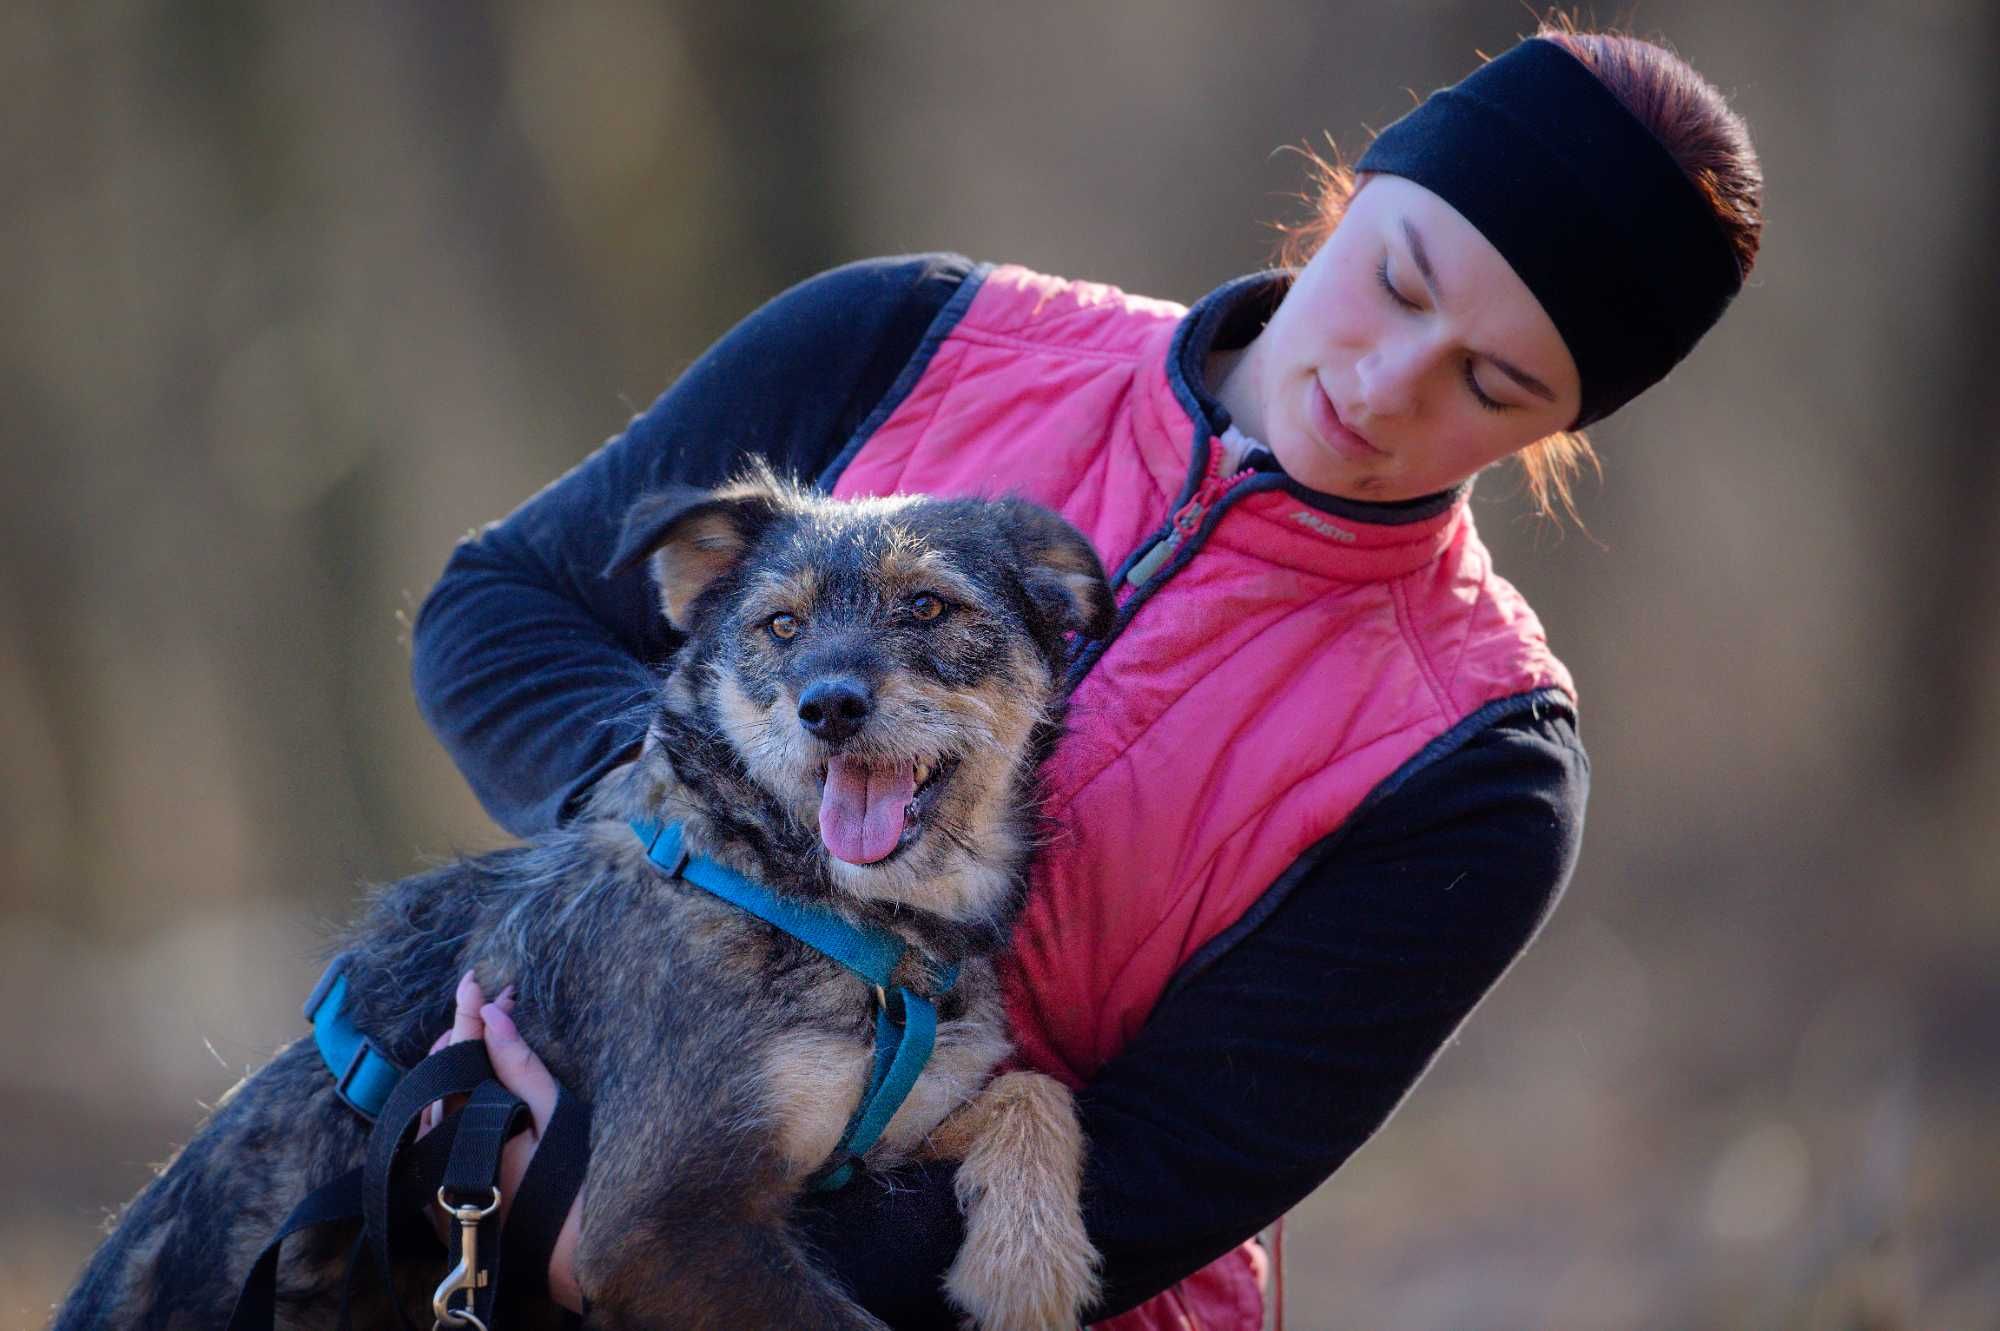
{"points": [[1153, 560], [1186, 521]]}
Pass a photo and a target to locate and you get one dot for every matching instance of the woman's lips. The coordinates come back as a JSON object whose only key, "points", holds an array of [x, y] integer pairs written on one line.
{"points": [[1326, 421]]}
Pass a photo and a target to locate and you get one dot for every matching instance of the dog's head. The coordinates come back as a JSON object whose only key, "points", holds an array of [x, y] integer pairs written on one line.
{"points": [[885, 673]]}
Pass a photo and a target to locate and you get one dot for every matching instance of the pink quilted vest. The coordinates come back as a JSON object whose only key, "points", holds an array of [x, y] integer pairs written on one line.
{"points": [[1251, 703]]}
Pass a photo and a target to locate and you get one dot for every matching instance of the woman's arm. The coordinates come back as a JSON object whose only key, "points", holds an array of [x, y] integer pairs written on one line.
{"points": [[533, 668], [1261, 1072]]}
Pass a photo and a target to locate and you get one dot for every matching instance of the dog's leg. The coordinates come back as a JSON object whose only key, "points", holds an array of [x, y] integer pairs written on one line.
{"points": [[1026, 1264], [687, 1200], [716, 1275]]}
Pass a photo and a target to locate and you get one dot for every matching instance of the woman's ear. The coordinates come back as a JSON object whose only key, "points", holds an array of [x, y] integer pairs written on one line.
{"points": [[694, 536], [1060, 571]]}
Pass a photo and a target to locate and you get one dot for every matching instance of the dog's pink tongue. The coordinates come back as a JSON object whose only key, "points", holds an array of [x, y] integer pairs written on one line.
{"points": [[861, 813]]}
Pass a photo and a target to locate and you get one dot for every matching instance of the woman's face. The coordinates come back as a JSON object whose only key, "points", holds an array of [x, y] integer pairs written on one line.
{"points": [[1406, 356]]}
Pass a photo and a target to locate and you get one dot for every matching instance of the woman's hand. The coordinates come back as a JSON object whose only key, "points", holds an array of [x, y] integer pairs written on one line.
{"points": [[520, 1071]]}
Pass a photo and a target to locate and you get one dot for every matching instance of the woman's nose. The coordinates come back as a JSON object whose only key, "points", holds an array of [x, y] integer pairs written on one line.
{"points": [[1390, 378]]}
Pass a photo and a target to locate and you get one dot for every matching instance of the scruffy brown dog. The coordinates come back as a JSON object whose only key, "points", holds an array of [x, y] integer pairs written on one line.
{"points": [[856, 719]]}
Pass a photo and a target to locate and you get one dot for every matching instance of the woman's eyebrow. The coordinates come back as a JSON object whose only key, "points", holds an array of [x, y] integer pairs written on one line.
{"points": [[1423, 260], [1523, 378], [1514, 372]]}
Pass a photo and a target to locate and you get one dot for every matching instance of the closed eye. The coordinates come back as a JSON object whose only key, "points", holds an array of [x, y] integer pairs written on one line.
{"points": [[1472, 382], [1382, 276]]}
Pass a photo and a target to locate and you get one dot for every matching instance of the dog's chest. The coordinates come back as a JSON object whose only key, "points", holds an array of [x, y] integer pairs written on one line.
{"points": [[814, 1079]]}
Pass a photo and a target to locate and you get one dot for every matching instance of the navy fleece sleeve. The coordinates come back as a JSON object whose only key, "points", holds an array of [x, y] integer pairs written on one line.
{"points": [[532, 668], [1261, 1072]]}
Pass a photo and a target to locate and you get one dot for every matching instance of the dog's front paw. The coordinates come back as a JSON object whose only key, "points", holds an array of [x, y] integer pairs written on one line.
{"points": [[1026, 1264]]}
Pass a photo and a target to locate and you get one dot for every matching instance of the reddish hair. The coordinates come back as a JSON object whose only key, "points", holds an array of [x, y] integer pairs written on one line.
{"points": [[1686, 114]]}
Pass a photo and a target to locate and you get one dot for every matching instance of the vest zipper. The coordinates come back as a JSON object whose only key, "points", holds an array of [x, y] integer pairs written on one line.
{"points": [[1185, 522], [1139, 582]]}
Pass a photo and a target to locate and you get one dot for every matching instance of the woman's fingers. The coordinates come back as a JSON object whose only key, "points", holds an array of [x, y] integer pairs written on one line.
{"points": [[465, 1022], [516, 1065]]}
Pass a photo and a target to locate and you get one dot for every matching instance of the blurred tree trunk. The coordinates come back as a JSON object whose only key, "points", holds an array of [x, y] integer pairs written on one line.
{"points": [[773, 97], [1952, 615]]}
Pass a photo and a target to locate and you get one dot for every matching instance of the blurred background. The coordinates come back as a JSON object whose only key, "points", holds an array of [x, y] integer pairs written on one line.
{"points": [[296, 296]]}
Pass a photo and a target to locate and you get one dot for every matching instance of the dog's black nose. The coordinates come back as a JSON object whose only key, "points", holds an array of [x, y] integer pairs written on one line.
{"points": [[835, 708]]}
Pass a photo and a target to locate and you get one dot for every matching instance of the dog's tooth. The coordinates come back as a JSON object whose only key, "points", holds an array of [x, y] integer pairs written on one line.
{"points": [[923, 772]]}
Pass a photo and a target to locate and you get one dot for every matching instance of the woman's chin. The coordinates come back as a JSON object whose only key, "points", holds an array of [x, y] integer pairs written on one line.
{"points": [[1306, 461]]}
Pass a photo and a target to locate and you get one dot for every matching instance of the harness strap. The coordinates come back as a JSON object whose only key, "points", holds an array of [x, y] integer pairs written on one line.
{"points": [[899, 1061], [905, 1020], [870, 953]]}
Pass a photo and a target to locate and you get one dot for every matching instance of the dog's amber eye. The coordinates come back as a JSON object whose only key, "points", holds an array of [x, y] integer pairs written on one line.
{"points": [[783, 626], [926, 606]]}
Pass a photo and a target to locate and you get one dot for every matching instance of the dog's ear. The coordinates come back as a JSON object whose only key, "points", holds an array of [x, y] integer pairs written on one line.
{"points": [[694, 536], [1060, 570]]}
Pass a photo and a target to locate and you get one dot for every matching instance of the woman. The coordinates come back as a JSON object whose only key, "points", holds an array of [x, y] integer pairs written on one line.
{"points": [[1323, 783]]}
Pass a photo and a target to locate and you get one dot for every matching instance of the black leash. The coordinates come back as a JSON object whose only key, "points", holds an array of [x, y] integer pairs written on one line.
{"points": [[470, 1196], [457, 1166]]}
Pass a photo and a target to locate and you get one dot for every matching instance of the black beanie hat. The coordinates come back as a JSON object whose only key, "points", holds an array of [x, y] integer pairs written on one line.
{"points": [[1584, 203]]}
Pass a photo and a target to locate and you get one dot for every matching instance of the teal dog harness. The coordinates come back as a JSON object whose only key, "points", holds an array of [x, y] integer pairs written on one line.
{"points": [[905, 1020]]}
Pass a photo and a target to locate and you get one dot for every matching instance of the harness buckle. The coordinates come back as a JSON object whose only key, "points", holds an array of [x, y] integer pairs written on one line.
{"points": [[343, 1082], [324, 986], [667, 848], [363, 1073], [468, 1275]]}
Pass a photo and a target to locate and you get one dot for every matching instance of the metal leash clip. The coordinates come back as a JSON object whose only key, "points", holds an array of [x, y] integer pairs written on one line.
{"points": [[468, 1275]]}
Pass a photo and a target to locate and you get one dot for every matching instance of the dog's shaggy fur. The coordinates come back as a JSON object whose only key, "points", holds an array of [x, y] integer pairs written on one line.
{"points": [[921, 644]]}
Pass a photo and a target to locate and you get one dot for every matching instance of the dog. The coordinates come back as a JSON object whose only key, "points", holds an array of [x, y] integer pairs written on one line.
{"points": [[856, 717]]}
